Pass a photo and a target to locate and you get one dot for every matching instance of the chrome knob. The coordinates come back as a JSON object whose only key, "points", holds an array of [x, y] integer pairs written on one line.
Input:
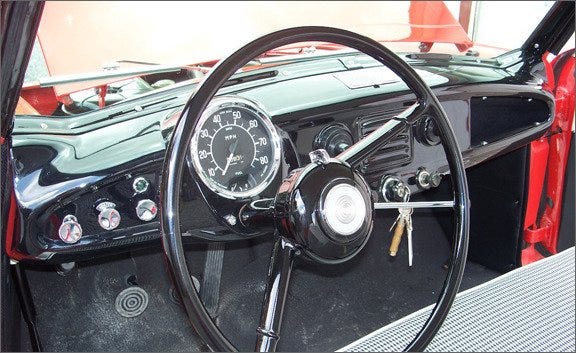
{"points": [[435, 179], [108, 218], [70, 230], [423, 179], [426, 180], [146, 210]]}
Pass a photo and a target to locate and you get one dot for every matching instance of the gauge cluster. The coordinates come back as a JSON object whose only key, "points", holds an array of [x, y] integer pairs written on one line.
{"points": [[235, 157]]}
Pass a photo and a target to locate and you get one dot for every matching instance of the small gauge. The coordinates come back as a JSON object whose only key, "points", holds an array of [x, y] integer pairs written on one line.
{"points": [[146, 210], [109, 218], [427, 131], [140, 185], [70, 230]]}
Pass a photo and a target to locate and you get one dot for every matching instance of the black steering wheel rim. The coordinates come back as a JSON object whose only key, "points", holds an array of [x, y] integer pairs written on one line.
{"points": [[174, 165]]}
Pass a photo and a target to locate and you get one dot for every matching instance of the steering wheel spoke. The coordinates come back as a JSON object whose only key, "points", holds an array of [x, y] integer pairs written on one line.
{"points": [[279, 273], [364, 148], [416, 204]]}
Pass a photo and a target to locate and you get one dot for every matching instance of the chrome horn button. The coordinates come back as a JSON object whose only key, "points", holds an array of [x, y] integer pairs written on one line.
{"points": [[344, 209]]}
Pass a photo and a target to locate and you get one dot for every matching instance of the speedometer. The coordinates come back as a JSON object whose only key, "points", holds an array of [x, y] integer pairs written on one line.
{"points": [[235, 149]]}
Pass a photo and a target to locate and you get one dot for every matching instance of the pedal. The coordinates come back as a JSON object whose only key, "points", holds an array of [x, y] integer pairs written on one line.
{"points": [[210, 289]]}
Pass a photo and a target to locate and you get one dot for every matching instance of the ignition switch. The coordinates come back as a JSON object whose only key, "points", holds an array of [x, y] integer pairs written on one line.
{"points": [[393, 189]]}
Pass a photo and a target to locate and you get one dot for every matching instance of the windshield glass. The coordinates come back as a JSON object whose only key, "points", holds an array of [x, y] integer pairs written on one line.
{"points": [[91, 55]]}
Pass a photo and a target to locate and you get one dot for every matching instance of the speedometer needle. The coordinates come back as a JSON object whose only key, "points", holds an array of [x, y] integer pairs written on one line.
{"points": [[231, 149], [228, 160]]}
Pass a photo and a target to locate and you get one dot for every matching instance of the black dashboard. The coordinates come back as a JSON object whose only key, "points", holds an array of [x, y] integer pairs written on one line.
{"points": [[89, 185]]}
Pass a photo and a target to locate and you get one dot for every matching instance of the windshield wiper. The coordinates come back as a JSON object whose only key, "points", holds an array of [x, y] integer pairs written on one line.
{"points": [[510, 58], [248, 77], [441, 57], [304, 56], [430, 56]]}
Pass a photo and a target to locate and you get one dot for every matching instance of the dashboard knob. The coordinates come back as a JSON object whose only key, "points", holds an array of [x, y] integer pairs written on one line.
{"points": [[426, 180], [423, 179], [435, 179], [108, 218], [146, 210], [70, 230]]}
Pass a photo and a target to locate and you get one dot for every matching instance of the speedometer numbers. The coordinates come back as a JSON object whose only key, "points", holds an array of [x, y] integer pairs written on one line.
{"points": [[235, 149]]}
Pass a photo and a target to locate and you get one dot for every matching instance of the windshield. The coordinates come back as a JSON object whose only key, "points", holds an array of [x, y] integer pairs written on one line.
{"points": [[91, 55]]}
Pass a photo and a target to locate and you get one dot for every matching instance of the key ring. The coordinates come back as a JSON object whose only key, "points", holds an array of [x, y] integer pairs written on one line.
{"points": [[406, 196]]}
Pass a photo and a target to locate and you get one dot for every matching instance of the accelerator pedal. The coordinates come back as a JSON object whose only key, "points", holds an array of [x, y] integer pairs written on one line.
{"points": [[210, 289]]}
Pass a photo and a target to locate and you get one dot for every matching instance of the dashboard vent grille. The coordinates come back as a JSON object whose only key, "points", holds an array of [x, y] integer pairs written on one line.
{"points": [[397, 152]]}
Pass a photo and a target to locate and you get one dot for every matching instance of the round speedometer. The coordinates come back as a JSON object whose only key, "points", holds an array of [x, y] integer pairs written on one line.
{"points": [[235, 148]]}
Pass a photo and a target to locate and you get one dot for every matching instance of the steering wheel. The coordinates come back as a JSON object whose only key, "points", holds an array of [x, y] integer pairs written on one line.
{"points": [[322, 211]]}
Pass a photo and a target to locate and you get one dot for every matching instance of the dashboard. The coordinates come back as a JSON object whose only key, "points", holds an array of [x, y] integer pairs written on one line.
{"points": [[84, 190]]}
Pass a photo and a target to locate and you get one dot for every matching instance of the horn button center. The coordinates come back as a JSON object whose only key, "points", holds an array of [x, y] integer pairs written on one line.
{"points": [[326, 209], [343, 209]]}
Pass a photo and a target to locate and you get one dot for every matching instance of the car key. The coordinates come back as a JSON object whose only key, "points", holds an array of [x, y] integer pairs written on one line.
{"points": [[408, 221]]}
